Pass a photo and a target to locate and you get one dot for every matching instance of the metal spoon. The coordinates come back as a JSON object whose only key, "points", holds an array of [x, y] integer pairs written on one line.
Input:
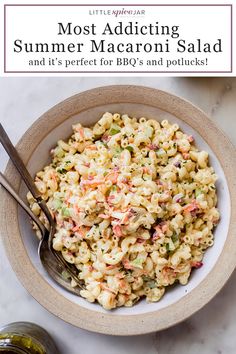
{"points": [[52, 261]]}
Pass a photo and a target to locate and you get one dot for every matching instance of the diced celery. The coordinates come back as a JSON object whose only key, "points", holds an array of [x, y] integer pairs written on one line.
{"points": [[174, 237], [65, 212], [161, 152], [65, 275], [198, 191], [148, 131], [57, 204], [59, 152], [152, 284], [116, 151], [114, 188], [114, 129], [130, 148], [171, 245], [137, 263]]}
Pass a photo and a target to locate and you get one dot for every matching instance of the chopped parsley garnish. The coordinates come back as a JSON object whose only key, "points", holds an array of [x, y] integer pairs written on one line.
{"points": [[61, 170]]}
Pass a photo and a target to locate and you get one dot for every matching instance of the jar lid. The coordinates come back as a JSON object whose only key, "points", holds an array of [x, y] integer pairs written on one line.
{"points": [[9, 349]]}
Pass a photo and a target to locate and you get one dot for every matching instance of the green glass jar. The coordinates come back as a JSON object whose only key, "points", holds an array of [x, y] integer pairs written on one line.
{"points": [[26, 338]]}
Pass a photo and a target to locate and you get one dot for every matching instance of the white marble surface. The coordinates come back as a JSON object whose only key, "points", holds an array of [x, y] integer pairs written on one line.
{"points": [[210, 331]]}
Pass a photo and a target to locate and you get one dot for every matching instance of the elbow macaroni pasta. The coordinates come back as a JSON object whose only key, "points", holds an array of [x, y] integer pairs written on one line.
{"points": [[135, 206]]}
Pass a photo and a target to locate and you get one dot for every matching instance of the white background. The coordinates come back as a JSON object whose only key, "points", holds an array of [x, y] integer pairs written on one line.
{"points": [[39, 24]]}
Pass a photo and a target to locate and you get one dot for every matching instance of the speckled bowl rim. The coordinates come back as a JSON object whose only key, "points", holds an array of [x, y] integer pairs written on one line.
{"points": [[42, 291]]}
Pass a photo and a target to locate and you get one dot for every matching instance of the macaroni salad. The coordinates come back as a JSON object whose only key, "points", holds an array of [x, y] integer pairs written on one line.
{"points": [[135, 206]]}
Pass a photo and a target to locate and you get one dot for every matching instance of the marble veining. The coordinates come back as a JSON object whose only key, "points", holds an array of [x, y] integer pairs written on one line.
{"points": [[212, 329]]}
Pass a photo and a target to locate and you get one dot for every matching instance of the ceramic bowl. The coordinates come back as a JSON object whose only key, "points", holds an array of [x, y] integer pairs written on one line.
{"points": [[20, 242]]}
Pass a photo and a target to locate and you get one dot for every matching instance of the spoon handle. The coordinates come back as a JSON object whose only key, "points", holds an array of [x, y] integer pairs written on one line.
{"points": [[19, 164], [17, 198], [16, 159]]}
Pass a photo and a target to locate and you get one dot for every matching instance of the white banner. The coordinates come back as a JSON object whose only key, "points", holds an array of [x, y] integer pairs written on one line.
{"points": [[117, 39]]}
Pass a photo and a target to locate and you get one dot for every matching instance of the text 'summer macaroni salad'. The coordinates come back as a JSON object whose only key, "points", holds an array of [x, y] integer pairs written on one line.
{"points": [[135, 206]]}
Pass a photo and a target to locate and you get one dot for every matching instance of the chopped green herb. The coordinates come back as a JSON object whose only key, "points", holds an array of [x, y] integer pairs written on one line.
{"points": [[61, 170]]}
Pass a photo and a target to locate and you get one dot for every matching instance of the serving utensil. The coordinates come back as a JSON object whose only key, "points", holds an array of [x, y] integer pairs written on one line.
{"points": [[52, 261]]}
